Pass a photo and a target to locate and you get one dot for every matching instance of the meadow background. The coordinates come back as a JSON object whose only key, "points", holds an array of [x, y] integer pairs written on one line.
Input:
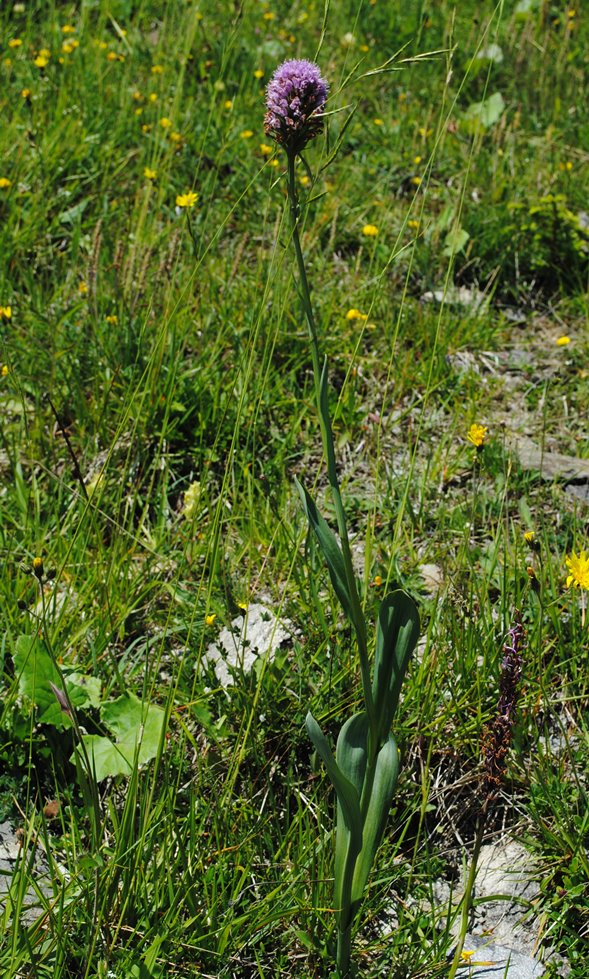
{"points": [[157, 402]]}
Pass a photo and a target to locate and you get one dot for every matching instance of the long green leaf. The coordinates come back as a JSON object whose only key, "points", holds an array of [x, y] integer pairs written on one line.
{"points": [[396, 636], [349, 821], [330, 549], [381, 797]]}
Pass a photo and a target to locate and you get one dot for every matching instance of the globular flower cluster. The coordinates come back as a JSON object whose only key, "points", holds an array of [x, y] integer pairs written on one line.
{"points": [[295, 99], [497, 737]]}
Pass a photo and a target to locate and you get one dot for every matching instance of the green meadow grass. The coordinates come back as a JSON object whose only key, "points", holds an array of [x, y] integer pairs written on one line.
{"points": [[147, 347]]}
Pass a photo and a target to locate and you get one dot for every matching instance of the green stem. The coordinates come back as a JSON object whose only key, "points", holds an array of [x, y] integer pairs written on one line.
{"points": [[468, 891], [320, 377], [344, 952]]}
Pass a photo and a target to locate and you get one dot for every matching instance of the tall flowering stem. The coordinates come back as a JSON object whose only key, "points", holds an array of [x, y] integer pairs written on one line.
{"points": [[366, 763], [495, 745]]}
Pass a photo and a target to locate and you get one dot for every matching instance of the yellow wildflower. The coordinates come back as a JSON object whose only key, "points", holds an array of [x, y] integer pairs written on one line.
{"points": [[355, 314], [68, 29], [228, 104], [246, 134], [529, 536], [146, 127], [26, 93], [563, 341], [370, 230], [304, 180], [112, 319], [265, 150], [82, 288], [165, 123], [149, 174], [416, 181], [377, 122], [188, 199], [5, 312], [153, 96], [176, 137], [578, 565], [412, 223], [157, 69], [4, 183], [15, 42], [258, 73], [5, 370], [41, 61], [209, 619], [477, 434]]}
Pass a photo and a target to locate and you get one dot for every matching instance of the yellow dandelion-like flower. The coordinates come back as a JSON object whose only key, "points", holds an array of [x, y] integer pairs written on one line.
{"points": [[4, 183], [188, 199], [209, 619], [25, 93], [112, 319], [377, 122], [41, 61], [228, 104], [355, 314], [82, 288], [413, 223], [377, 581], [68, 29], [529, 536], [304, 180], [15, 42], [246, 134], [416, 181], [563, 341], [149, 174], [176, 137], [5, 370], [370, 230], [146, 127], [258, 73], [153, 96], [157, 69], [578, 565], [165, 123], [5, 312], [265, 150], [269, 15], [477, 434]]}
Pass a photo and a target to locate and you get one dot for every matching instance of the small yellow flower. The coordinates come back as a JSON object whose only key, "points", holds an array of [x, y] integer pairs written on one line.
{"points": [[377, 122], [5, 370], [304, 180], [466, 956], [176, 137], [157, 69], [153, 96], [41, 61], [377, 581], [269, 15], [82, 288], [38, 567], [137, 96], [416, 181], [563, 341], [370, 230], [15, 42], [4, 183], [424, 132], [188, 199], [146, 127], [5, 312], [274, 163], [355, 314], [165, 123], [529, 536], [26, 93], [246, 134], [149, 174], [265, 150], [258, 73], [412, 223], [477, 434], [578, 565], [68, 29], [112, 56], [209, 619], [228, 104], [112, 319]]}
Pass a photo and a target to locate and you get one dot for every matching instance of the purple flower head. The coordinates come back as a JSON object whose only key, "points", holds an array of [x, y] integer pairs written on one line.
{"points": [[295, 99]]}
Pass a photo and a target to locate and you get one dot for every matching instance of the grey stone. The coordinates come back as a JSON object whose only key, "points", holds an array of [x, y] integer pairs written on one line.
{"points": [[253, 636], [491, 961]]}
